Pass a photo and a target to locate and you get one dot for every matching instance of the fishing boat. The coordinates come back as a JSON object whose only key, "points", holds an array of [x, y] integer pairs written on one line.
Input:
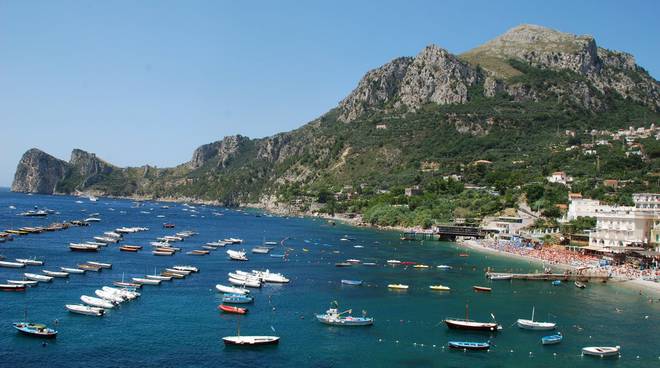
{"points": [[335, 318], [83, 248], [237, 299], [109, 296], [530, 324], [130, 248], [12, 287], [84, 309], [482, 289], [186, 268], [232, 309], [468, 324], [236, 255], [352, 282], [35, 329], [580, 285], [28, 283], [30, 262], [8, 264], [37, 277], [439, 288], [60, 274], [556, 283], [500, 276], [398, 286], [601, 351], [231, 289], [552, 339], [145, 281], [468, 345], [96, 302]]}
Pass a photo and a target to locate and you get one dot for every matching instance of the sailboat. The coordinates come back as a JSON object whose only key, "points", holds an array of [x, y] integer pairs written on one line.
{"points": [[249, 340], [34, 329], [468, 324], [530, 324]]}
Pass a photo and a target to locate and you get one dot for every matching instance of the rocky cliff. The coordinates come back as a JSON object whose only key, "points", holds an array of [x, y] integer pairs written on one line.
{"points": [[38, 172]]}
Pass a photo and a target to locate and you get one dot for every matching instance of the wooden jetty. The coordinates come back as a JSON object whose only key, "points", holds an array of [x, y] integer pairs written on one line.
{"points": [[551, 276]]}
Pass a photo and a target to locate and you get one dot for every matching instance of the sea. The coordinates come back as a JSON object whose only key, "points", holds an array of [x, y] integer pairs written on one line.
{"points": [[177, 324]]}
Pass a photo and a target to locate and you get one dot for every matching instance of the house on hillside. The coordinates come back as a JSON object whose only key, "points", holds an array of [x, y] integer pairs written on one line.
{"points": [[560, 177], [413, 191]]}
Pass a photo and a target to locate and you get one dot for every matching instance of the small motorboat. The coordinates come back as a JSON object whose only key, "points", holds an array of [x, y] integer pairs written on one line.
{"points": [[100, 264], [84, 309], [552, 339], [178, 271], [251, 340], [96, 302], [335, 318], [8, 264], [439, 288], [186, 268], [444, 267], [28, 283], [159, 277], [12, 287], [163, 252], [422, 266], [89, 267], [352, 282], [60, 274], [145, 281], [463, 255], [580, 285], [393, 262], [83, 248], [482, 289], [468, 345], [235, 255], [130, 248], [169, 226], [601, 351], [232, 309], [237, 299], [353, 261], [72, 270], [110, 296], [530, 324], [261, 250], [123, 284], [198, 252], [30, 262], [398, 286], [35, 329], [231, 289], [343, 264], [37, 277], [124, 293], [556, 283], [245, 282]]}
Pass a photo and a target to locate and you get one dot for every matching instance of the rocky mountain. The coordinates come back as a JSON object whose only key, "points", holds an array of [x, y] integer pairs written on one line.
{"points": [[505, 101]]}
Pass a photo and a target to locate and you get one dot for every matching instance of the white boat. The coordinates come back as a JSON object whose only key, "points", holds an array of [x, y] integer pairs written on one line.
{"points": [[244, 283], [261, 250], [268, 276], [100, 264], [8, 264], [98, 244], [72, 270], [106, 239], [96, 302], [217, 244], [601, 351], [231, 289], [236, 255], [23, 282], [159, 277], [186, 268], [393, 261], [242, 275], [30, 262], [444, 267], [232, 240], [84, 309], [398, 286], [92, 219], [111, 297], [126, 294], [250, 340], [530, 324], [37, 277], [83, 247], [178, 271], [145, 281], [113, 234], [159, 244], [500, 276], [55, 273]]}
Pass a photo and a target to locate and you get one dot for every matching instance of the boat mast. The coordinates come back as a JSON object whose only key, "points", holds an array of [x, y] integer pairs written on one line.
{"points": [[467, 312], [533, 308]]}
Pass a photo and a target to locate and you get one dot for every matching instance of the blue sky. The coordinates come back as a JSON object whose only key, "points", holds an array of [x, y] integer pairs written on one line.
{"points": [[146, 82]]}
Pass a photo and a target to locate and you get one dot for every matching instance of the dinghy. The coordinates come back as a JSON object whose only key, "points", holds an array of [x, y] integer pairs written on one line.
{"points": [[37, 277], [237, 299], [439, 288], [352, 282], [232, 309], [84, 309], [145, 281], [8, 264], [601, 351], [96, 302], [552, 339], [231, 289], [12, 287], [72, 270], [55, 273], [467, 345], [111, 297], [30, 262], [398, 286]]}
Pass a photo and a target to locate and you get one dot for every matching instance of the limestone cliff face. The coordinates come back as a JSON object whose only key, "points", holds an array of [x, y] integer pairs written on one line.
{"points": [[433, 76], [87, 166], [223, 151], [38, 172]]}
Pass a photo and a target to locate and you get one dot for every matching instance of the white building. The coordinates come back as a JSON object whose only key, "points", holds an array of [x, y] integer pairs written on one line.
{"points": [[626, 225], [560, 177], [582, 207]]}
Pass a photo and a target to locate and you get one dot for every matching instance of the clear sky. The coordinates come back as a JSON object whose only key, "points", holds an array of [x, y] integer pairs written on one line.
{"points": [[146, 82]]}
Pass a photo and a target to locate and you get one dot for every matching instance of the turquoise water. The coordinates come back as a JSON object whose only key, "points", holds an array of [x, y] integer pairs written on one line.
{"points": [[177, 324]]}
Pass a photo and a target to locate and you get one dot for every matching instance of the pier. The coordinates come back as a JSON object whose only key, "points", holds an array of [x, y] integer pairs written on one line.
{"points": [[551, 276], [448, 232]]}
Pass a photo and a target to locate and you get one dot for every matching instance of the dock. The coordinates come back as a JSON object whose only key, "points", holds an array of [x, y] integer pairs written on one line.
{"points": [[551, 276]]}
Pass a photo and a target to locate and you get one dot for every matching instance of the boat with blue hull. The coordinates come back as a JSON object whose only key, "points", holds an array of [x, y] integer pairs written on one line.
{"points": [[552, 339], [469, 345], [237, 299], [335, 318], [35, 329]]}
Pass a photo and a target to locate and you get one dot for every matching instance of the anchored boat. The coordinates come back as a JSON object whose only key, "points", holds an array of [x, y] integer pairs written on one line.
{"points": [[601, 351], [530, 324], [468, 345], [232, 309], [468, 324], [335, 318], [86, 310], [552, 339]]}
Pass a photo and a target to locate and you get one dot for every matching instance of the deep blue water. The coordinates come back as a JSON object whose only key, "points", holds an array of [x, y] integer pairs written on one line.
{"points": [[177, 324]]}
